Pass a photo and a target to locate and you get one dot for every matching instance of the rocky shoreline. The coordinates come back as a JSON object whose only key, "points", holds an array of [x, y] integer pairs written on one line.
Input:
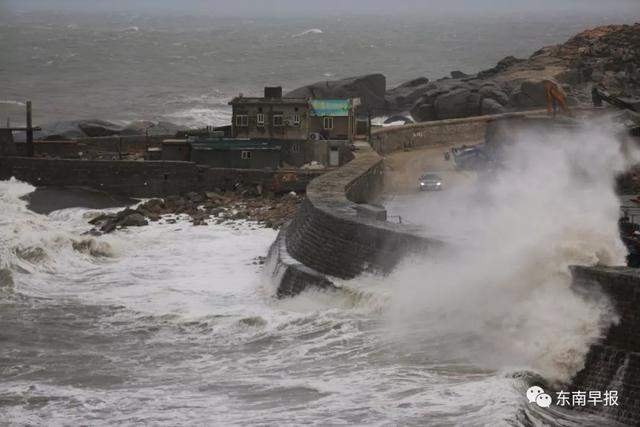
{"points": [[608, 56], [202, 209]]}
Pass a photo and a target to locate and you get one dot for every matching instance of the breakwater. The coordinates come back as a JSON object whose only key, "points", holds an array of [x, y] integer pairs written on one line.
{"points": [[147, 178], [340, 232], [613, 363]]}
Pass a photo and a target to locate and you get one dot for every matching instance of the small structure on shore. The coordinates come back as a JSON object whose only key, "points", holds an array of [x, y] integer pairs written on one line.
{"points": [[272, 132], [275, 117], [7, 143]]}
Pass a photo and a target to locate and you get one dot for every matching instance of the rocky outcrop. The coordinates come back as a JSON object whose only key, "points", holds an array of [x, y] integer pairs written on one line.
{"points": [[608, 56], [107, 223], [73, 129], [203, 208], [96, 128], [369, 88]]}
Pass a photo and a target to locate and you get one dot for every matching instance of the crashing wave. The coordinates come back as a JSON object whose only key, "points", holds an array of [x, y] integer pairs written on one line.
{"points": [[307, 32]]}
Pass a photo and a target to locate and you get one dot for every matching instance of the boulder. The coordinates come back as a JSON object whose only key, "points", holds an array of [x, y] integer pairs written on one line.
{"points": [[95, 128], [490, 106], [459, 75], [457, 103], [403, 97], [134, 219], [369, 88], [502, 65], [423, 112], [493, 92], [530, 94]]}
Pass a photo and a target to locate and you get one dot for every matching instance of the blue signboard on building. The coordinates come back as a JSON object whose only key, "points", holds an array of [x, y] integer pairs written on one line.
{"points": [[330, 107]]}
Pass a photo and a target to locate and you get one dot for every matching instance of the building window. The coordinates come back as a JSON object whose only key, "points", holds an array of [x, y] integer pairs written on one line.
{"points": [[327, 123], [295, 148], [242, 120], [245, 155], [296, 119], [260, 119], [278, 119]]}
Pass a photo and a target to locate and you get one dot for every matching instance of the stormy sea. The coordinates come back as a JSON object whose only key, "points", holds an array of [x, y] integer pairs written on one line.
{"points": [[171, 324], [184, 68]]}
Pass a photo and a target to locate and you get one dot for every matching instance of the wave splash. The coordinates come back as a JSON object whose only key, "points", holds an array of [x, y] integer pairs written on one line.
{"points": [[502, 294]]}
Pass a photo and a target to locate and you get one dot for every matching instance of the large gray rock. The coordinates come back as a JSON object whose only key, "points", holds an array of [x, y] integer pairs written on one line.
{"points": [[492, 91], [134, 219], [96, 128], [530, 94], [403, 97], [370, 89], [457, 103], [491, 106], [424, 113]]}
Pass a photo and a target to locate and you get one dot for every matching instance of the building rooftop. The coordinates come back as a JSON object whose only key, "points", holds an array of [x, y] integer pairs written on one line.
{"points": [[267, 101]]}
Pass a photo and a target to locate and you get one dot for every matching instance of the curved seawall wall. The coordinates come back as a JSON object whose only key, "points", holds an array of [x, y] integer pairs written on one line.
{"points": [[338, 233], [333, 234], [613, 363]]}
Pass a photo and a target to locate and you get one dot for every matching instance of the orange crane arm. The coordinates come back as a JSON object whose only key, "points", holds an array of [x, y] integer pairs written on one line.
{"points": [[553, 92]]}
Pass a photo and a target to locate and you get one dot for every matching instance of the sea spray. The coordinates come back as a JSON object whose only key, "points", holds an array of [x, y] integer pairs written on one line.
{"points": [[501, 294]]}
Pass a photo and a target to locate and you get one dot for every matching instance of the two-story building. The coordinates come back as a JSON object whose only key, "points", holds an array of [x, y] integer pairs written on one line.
{"points": [[301, 119], [270, 117]]}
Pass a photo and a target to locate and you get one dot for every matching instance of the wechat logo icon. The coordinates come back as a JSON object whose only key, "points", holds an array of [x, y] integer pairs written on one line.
{"points": [[537, 395]]}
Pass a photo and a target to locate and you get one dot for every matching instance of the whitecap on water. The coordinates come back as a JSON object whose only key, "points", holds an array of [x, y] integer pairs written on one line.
{"points": [[307, 32]]}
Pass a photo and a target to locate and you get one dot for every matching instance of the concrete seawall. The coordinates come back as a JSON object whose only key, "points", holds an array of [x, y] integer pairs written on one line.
{"points": [[470, 130], [109, 147], [146, 178], [335, 235], [332, 236], [613, 363]]}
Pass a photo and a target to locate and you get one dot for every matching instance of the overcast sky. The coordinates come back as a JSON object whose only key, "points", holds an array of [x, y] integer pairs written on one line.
{"points": [[310, 7]]}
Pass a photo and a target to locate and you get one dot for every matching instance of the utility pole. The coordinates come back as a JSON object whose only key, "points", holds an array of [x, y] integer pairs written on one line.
{"points": [[29, 131]]}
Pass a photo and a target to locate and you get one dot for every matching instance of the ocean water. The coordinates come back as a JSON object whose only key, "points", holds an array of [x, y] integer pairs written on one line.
{"points": [[173, 324], [185, 68]]}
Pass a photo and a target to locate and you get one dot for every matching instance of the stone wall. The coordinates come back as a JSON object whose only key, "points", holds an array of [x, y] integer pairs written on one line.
{"points": [[108, 147], [331, 236], [334, 234], [148, 178], [613, 363], [470, 130]]}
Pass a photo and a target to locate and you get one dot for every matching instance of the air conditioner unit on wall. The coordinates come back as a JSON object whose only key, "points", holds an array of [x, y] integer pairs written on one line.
{"points": [[315, 136]]}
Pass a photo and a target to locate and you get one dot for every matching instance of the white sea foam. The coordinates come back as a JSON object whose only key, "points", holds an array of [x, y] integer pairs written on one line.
{"points": [[181, 314], [502, 294]]}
